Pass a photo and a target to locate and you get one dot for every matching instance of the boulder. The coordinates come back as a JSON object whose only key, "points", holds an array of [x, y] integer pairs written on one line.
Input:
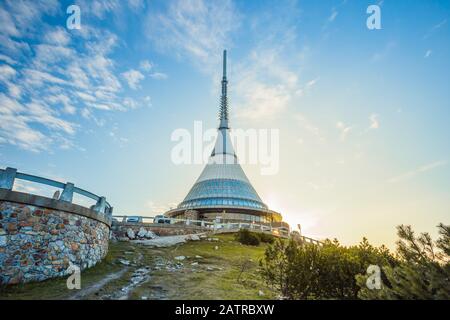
{"points": [[180, 258], [194, 237], [142, 232], [130, 233], [150, 235], [260, 293]]}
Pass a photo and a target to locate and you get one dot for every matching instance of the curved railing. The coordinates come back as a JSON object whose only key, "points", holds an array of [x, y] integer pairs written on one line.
{"points": [[9, 175]]}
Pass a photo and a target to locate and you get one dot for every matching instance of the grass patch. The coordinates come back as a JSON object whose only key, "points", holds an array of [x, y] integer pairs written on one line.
{"points": [[234, 273]]}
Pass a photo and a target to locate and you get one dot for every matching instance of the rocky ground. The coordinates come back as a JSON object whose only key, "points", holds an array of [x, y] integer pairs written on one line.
{"points": [[176, 267]]}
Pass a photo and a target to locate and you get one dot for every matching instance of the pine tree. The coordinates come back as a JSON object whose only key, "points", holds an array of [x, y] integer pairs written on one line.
{"points": [[423, 272]]}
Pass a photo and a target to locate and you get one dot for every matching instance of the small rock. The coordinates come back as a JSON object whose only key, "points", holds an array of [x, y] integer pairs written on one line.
{"points": [[2, 241], [214, 239], [144, 298], [130, 233], [180, 258], [194, 263], [260, 293], [216, 248], [198, 257], [124, 262]]}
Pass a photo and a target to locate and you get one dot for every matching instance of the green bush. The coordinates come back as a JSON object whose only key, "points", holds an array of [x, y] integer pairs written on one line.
{"points": [[307, 271], [266, 238], [246, 237], [420, 269]]}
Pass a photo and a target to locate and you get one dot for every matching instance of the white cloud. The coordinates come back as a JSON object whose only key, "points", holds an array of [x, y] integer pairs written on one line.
{"points": [[374, 122], [55, 77], [264, 85], [8, 26], [133, 77], [58, 37], [146, 65], [377, 56], [417, 171], [306, 87], [196, 29], [308, 126], [159, 76], [345, 130], [333, 15], [7, 59], [435, 28], [6, 73]]}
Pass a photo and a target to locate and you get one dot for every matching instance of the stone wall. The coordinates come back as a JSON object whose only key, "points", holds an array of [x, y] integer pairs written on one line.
{"points": [[38, 243]]}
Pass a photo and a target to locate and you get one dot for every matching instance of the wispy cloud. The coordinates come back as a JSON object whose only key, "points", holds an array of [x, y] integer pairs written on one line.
{"points": [[435, 29], [333, 15], [308, 126], [307, 87], [374, 122], [344, 130], [427, 54], [159, 76], [264, 85], [50, 78], [421, 169], [380, 55], [133, 77], [195, 29]]}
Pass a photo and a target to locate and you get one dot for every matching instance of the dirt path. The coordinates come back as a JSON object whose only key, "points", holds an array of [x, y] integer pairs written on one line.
{"points": [[85, 292]]}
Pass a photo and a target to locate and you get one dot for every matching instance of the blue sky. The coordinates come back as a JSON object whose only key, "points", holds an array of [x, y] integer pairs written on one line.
{"points": [[363, 114]]}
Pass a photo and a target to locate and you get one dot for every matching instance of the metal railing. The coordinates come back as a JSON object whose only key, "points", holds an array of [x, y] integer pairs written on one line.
{"points": [[213, 226], [9, 175]]}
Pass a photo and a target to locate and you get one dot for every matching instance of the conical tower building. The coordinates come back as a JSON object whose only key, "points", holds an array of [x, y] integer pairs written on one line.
{"points": [[223, 192]]}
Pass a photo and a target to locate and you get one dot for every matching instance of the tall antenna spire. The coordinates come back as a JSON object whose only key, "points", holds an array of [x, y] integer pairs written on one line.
{"points": [[223, 116]]}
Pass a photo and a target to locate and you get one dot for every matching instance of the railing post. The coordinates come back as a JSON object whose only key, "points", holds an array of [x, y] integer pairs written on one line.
{"points": [[100, 205], [67, 194], [7, 178]]}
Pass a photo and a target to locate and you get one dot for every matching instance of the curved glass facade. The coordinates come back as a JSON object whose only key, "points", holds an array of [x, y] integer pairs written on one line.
{"points": [[222, 192]]}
